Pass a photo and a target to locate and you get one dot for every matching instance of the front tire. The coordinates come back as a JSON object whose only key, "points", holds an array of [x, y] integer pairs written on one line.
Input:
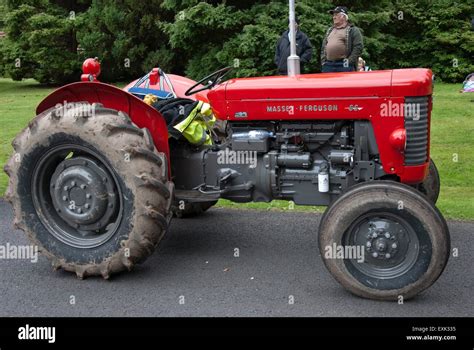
{"points": [[90, 189], [402, 240]]}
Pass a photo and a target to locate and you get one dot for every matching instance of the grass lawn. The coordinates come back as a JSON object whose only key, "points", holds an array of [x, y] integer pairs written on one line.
{"points": [[452, 143]]}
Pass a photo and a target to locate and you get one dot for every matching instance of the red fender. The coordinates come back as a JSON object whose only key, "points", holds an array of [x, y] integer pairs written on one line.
{"points": [[141, 114]]}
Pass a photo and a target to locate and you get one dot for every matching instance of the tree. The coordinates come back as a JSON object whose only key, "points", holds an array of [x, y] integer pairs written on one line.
{"points": [[41, 41], [397, 34], [127, 36], [434, 34], [194, 37], [3, 11]]}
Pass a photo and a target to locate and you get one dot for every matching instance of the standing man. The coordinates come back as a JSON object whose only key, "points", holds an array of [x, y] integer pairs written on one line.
{"points": [[342, 44], [304, 49]]}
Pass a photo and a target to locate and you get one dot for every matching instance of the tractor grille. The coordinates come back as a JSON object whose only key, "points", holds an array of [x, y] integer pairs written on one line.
{"points": [[416, 151]]}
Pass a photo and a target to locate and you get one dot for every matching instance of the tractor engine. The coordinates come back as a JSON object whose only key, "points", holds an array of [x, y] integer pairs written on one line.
{"points": [[306, 162]]}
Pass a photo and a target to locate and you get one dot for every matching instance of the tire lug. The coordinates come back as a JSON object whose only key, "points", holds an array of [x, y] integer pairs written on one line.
{"points": [[66, 188], [387, 235], [368, 244], [65, 198], [375, 254], [394, 245], [83, 187], [88, 196], [388, 256], [87, 206], [73, 183]]}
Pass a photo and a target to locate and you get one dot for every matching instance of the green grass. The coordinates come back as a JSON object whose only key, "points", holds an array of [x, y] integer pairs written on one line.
{"points": [[452, 134], [452, 149], [18, 101]]}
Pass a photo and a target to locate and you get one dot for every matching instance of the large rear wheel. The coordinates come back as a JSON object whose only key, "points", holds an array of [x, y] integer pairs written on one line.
{"points": [[384, 240], [90, 189]]}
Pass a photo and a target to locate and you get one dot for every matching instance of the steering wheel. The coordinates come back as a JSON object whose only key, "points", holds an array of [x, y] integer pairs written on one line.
{"points": [[211, 81]]}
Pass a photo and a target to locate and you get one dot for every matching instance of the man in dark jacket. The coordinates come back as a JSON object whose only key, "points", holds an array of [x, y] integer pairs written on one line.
{"points": [[304, 49], [342, 44]]}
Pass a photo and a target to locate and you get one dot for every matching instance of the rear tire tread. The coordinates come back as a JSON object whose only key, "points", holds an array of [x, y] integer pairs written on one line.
{"points": [[150, 221]]}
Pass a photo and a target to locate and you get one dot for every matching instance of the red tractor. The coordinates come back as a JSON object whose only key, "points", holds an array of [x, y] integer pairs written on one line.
{"points": [[98, 174]]}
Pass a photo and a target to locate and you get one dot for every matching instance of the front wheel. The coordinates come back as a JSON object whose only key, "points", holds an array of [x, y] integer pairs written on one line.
{"points": [[384, 240]]}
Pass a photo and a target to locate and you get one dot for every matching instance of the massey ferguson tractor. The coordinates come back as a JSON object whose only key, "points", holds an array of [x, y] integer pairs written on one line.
{"points": [[98, 174]]}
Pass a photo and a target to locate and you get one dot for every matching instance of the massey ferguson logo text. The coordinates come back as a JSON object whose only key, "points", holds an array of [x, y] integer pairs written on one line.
{"points": [[281, 109], [301, 108]]}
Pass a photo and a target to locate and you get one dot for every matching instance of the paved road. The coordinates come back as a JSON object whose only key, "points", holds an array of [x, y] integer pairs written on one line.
{"points": [[278, 259]]}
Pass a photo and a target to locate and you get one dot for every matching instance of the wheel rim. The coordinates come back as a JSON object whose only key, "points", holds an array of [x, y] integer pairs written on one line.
{"points": [[391, 245], [77, 196]]}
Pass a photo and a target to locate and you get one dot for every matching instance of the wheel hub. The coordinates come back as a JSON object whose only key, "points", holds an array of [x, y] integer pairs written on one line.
{"points": [[391, 244], [83, 194], [382, 241]]}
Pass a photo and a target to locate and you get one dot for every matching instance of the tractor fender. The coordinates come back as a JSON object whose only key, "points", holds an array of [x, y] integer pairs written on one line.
{"points": [[143, 115]]}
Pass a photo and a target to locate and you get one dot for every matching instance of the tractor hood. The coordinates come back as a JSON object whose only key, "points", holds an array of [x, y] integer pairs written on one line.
{"points": [[323, 87], [384, 83], [311, 86]]}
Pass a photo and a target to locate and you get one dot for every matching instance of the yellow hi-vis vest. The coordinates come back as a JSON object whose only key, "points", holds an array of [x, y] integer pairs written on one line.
{"points": [[197, 125]]}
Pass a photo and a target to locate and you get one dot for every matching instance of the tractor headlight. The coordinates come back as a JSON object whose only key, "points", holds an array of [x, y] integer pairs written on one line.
{"points": [[398, 139]]}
